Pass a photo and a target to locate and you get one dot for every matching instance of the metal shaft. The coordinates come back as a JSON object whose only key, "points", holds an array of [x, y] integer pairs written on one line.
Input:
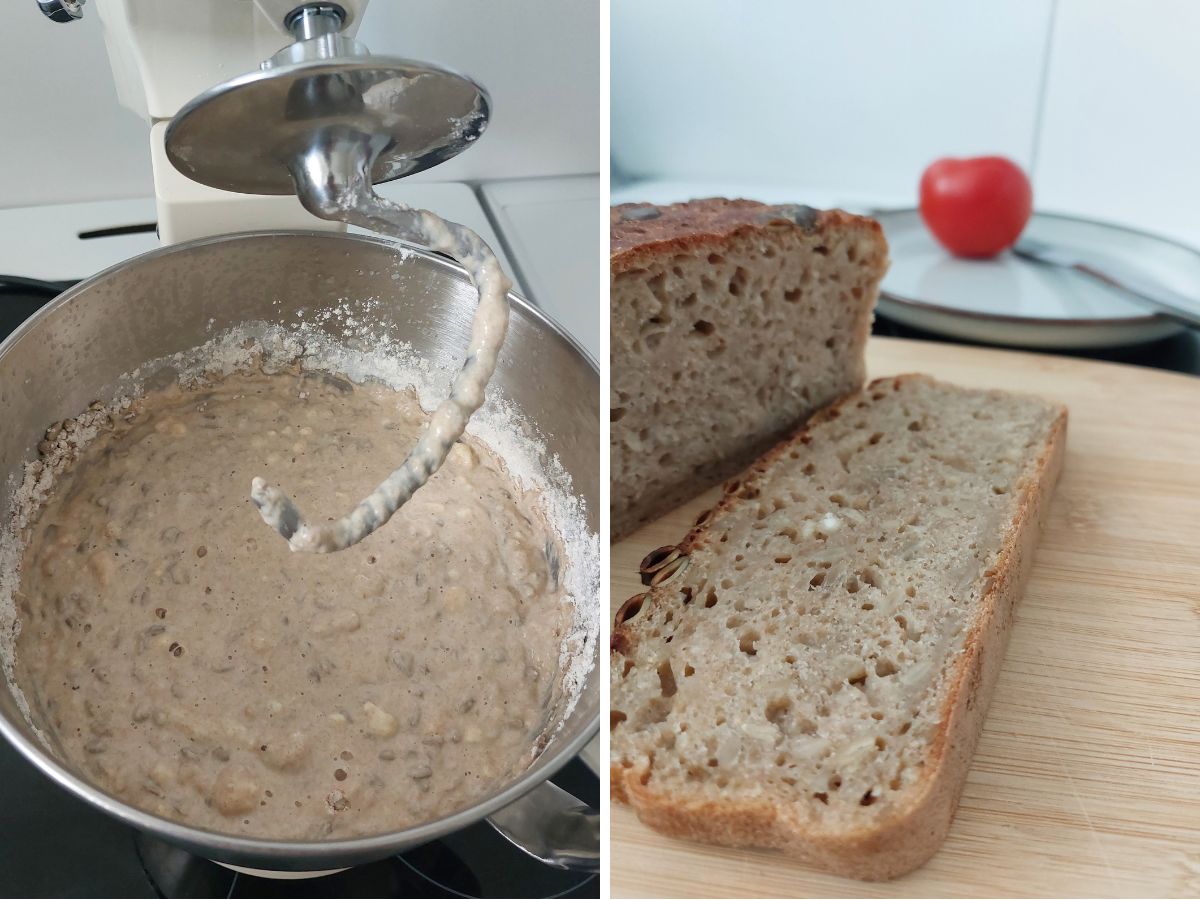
{"points": [[315, 20]]}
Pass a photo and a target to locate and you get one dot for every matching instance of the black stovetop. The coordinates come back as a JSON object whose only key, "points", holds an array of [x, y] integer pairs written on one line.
{"points": [[54, 845]]}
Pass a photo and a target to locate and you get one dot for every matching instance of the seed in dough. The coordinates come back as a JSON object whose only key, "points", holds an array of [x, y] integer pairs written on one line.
{"points": [[380, 722], [235, 791]]}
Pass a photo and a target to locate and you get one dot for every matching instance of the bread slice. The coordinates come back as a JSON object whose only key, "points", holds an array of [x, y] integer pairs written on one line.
{"points": [[810, 667], [731, 323]]}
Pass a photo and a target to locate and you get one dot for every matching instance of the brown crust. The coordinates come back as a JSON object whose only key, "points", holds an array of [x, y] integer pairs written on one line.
{"points": [[910, 835], [687, 227]]}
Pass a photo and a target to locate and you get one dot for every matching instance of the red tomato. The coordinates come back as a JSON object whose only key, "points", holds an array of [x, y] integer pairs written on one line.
{"points": [[976, 207]]}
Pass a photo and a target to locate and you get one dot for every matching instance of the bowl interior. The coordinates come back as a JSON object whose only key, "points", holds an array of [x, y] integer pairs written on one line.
{"points": [[76, 350]]}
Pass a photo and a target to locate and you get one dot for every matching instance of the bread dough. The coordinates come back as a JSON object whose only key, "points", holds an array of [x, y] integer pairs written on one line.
{"points": [[187, 662]]}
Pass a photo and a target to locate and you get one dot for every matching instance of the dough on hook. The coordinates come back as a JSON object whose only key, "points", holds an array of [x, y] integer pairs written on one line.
{"points": [[362, 206]]}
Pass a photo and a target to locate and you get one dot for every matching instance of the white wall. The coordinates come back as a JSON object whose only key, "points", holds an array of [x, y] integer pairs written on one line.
{"points": [[66, 139], [854, 98]]}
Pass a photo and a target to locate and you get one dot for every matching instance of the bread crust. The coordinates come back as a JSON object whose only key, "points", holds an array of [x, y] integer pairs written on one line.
{"points": [[909, 835], [640, 231]]}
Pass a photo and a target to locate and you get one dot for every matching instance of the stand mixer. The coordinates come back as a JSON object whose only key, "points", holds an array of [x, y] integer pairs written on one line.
{"points": [[306, 136]]}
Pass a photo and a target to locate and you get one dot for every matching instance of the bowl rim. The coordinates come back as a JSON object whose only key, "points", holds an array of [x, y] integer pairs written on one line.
{"points": [[292, 855]]}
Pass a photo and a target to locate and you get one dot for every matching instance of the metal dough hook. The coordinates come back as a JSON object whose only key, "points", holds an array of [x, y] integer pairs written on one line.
{"points": [[326, 121]]}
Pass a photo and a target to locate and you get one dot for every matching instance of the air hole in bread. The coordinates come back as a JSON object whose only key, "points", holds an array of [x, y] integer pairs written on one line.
{"points": [[999, 489], [867, 799], [822, 796], [821, 250], [778, 710], [783, 560], [737, 284], [817, 580], [629, 667], [790, 659], [852, 585], [905, 728], [914, 425], [716, 259], [617, 413], [835, 783], [746, 642], [710, 599], [688, 671], [880, 744], [615, 718], [666, 679], [792, 296], [712, 762]]}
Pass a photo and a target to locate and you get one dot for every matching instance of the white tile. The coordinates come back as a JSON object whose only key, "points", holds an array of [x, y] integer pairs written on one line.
{"points": [[1122, 119], [856, 97], [66, 138], [539, 59], [553, 230]]}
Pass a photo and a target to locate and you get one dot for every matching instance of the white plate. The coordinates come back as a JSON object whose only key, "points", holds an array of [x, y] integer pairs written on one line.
{"points": [[1008, 300]]}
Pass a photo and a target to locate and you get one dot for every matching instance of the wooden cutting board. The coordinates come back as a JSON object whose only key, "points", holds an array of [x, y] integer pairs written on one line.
{"points": [[1087, 778]]}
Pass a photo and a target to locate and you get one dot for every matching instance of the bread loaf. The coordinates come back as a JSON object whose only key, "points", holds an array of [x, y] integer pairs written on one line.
{"points": [[810, 667], [731, 322]]}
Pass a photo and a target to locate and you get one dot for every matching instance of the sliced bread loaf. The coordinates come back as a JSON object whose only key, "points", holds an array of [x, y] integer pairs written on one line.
{"points": [[731, 323], [810, 667]]}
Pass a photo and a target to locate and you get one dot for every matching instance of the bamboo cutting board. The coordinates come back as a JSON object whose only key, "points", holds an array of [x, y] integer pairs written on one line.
{"points": [[1087, 779]]}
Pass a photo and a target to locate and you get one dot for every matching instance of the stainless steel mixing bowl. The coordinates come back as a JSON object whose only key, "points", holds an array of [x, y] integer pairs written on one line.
{"points": [[73, 351]]}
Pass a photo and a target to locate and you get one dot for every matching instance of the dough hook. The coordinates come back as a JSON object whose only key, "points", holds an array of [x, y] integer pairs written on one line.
{"points": [[326, 121]]}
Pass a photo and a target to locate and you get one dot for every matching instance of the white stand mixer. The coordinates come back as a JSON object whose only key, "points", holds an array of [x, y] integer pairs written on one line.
{"points": [[165, 52], [324, 120]]}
